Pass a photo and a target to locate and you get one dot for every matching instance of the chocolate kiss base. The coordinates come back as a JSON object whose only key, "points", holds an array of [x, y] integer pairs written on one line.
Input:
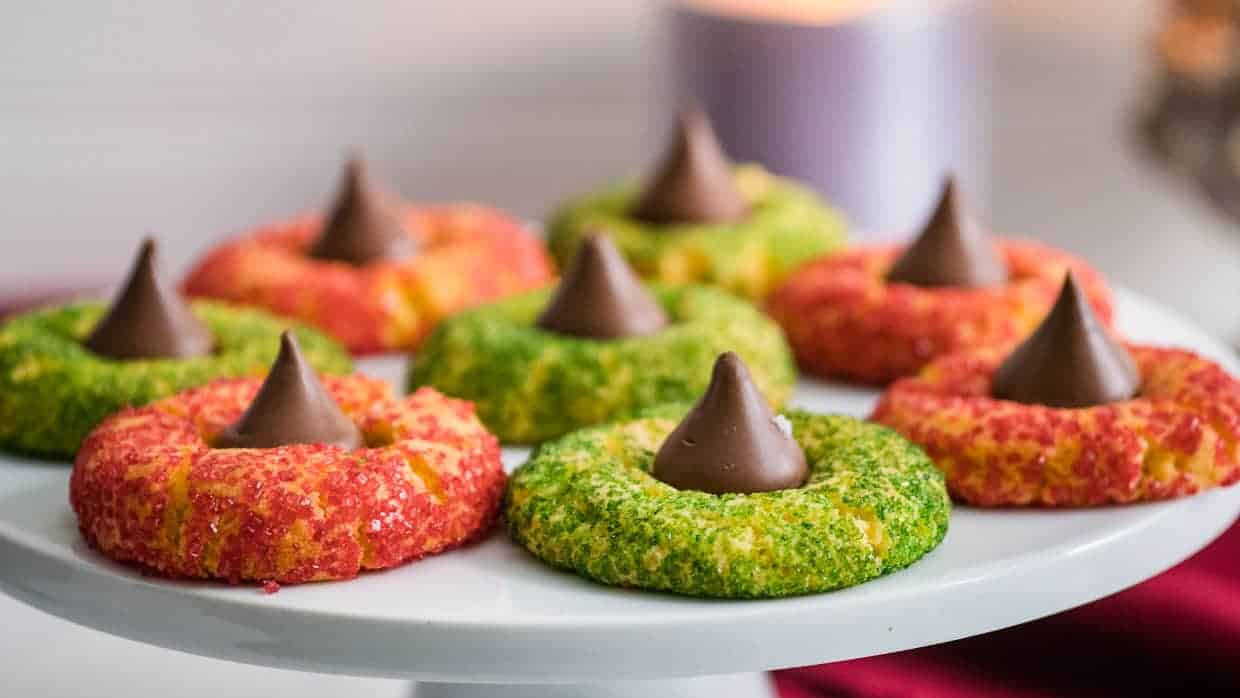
{"points": [[148, 319], [1070, 360], [952, 249], [731, 441], [292, 407], [363, 226]]}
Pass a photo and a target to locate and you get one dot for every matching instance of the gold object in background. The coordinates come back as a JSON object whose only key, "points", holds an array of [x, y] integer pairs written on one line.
{"points": [[1194, 122]]}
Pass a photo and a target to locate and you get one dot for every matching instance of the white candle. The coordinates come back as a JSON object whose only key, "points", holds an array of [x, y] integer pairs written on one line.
{"points": [[799, 11], [871, 102]]}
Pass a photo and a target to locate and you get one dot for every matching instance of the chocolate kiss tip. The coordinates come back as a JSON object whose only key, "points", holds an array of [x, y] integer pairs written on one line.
{"points": [[731, 441], [363, 225], [1070, 360], [292, 407], [148, 319], [952, 249], [694, 183], [601, 298]]}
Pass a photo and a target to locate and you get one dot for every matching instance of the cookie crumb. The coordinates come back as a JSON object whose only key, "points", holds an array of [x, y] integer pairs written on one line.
{"points": [[782, 423]]}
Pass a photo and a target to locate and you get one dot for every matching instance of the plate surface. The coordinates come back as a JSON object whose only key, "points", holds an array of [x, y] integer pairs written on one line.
{"points": [[493, 613]]}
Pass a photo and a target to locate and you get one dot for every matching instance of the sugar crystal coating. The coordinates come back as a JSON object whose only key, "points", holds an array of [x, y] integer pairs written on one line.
{"points": [[529, 384], [874, 504], [787, 225], [53, 390], [1179, 436], [467, 254], [844, 320], [149, 490]]}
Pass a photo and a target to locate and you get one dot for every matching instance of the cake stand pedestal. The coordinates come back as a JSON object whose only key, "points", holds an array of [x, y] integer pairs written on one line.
{"points": [[752, 685], [489, 620]]}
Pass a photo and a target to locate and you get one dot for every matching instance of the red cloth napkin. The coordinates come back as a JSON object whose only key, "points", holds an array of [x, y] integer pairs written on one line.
{"points": [[1177, 634]]}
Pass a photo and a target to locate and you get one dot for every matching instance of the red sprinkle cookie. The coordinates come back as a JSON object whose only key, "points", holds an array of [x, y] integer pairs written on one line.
{"points": [[1178, 436], [845, 320], [467, 254], [148, 488]]}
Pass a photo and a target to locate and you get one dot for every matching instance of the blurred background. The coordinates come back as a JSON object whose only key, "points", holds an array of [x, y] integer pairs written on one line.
{"points": [[195, 120]]}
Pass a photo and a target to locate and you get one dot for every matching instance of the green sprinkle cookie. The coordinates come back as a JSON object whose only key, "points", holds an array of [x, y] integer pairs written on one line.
{"points": [[787, 225], [874, 503], [53, 390], [530, 385]]}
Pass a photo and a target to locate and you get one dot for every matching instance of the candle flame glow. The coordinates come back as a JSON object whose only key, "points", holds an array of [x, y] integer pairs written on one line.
{"points": [[798, 11]]}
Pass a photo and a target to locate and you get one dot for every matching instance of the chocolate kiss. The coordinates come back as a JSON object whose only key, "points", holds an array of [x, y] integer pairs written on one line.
{"points": [[600, 297], [951, 250], [694, 182], [292, 407], [148, 319], [364, 225], [731, 441], [1069, 361]]}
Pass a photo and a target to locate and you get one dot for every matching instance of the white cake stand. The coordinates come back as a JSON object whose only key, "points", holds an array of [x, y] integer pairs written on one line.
{"points": [[490, 620]]}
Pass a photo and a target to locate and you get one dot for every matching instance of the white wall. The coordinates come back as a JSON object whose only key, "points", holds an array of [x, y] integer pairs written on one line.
{"points": [[193, 119]]}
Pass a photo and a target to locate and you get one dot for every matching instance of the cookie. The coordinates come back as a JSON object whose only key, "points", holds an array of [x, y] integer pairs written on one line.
{"points": [[53, 390], [148, 488], [466, 255], [873, 504], [1177, 437], [786, 225], [531, 384], [845, 320]]}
